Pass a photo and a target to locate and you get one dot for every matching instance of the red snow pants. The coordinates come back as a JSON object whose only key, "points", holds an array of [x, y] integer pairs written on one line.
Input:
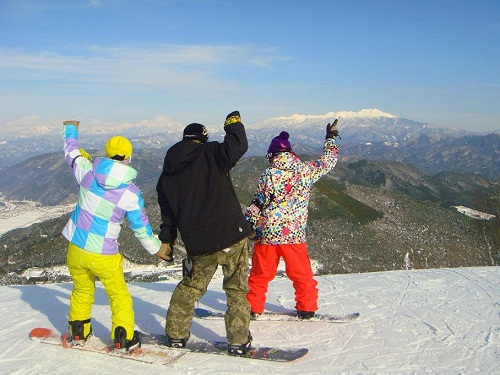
{"points": [[265, 260]]}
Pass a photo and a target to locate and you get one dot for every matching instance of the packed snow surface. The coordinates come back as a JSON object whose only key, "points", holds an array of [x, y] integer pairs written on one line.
{"points": [[443, 321]]}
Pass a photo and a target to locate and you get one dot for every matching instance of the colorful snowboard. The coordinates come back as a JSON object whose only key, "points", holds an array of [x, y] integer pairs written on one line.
{"points": [[147, 354], [154, 351], [287, 316]]}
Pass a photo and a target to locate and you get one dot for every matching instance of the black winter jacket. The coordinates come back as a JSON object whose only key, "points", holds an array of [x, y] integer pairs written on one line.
{"points": [[196, 195]]}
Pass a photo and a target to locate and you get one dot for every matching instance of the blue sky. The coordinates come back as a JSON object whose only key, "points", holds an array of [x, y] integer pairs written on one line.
{"points": [[113, 61]]}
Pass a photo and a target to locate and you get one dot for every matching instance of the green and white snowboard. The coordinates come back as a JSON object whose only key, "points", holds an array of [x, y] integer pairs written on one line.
{"points": [[287, 316]]}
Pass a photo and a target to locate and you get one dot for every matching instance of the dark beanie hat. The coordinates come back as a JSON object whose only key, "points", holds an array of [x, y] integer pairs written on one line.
{"points": [[196, 131], [280, 144]]}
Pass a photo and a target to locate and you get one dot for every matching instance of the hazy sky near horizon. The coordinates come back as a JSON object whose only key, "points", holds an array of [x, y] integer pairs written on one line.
{"points": [[112, 61]]}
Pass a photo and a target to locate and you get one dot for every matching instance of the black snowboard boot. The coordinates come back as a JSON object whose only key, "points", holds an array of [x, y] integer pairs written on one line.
{"points": [[305, 315], [121, 342], [79, 331], [254, 315], [240, 349], [177, 343]]}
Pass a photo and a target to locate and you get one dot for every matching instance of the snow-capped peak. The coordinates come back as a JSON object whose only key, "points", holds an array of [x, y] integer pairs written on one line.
{"points": [[371, 112], [300, 119]]}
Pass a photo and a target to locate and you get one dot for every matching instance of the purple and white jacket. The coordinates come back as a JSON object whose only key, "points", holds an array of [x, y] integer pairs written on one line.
{"points": [[107, 195]]}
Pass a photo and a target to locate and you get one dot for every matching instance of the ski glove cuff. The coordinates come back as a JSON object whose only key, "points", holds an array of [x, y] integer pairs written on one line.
{"points": [[232, 118]]}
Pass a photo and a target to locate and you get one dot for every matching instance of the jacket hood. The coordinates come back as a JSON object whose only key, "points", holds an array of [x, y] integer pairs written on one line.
{"points": [[111, 174], [181, 155], [286, 161]]}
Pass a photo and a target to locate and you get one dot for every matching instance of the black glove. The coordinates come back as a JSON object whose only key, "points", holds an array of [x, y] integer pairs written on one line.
{"points": [[332, 130], [253, 233], [232, 118], [166, 252]]}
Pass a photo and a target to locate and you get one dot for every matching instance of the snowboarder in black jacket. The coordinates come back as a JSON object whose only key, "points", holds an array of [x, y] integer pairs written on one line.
{"points": [[197, 198]]}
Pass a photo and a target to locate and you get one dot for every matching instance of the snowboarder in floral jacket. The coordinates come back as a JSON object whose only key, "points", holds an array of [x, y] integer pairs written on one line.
{"points": [[279, 212]]}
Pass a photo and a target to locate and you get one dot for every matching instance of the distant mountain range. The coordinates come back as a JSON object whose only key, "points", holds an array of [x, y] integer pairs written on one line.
{"points": [[369, 133], [364, 215], [386, 205]]}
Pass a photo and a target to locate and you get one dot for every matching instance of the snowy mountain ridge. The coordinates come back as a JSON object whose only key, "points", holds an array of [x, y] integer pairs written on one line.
{"points": [[327, 117], [386, 136], [165, 123], [97, 127]]}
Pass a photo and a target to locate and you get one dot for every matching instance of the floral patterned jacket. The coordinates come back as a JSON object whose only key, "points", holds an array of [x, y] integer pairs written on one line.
{"points": [[279, 209]]}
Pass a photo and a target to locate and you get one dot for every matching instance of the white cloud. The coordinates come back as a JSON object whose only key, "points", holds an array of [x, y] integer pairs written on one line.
{"points": [[158, 65], [35, 6]]}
